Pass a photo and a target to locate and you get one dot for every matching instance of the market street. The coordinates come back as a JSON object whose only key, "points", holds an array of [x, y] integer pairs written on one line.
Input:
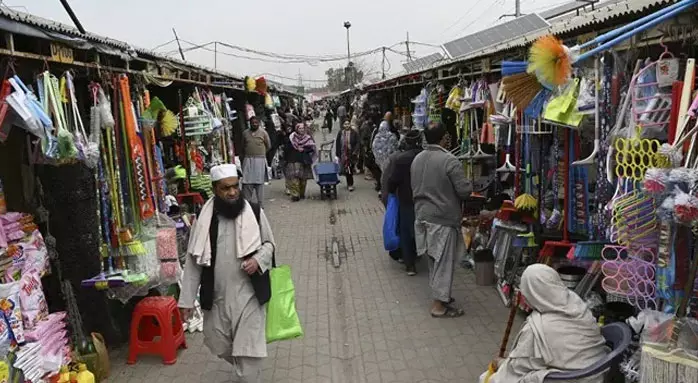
{"points": [[365, 321]]}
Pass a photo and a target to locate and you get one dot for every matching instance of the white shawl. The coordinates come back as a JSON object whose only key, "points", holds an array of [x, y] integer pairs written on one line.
{"points": [[247, 242], [560, 334]]}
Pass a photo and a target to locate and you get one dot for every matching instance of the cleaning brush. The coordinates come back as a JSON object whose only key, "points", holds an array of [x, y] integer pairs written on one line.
{"points": [[550, 61], [168, 122], [521, 89]]}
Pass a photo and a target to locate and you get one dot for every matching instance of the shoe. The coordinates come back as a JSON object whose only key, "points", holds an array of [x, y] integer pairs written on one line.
{"points": [[351, 188], [411, 271], [295, 199]]}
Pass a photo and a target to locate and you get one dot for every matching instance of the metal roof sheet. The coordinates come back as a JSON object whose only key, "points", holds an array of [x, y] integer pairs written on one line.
{"points": [[423, 62], [474, 42], [55, 26], [563, 24]]}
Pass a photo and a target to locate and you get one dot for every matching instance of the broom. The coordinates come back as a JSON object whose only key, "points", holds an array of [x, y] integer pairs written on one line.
{"points": [[667, 363], [526, 201], [551, 61], [491, 369], [549, 247]]}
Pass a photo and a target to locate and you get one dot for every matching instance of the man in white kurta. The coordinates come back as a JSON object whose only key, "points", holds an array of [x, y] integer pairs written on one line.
{"points": [[234, 327]]}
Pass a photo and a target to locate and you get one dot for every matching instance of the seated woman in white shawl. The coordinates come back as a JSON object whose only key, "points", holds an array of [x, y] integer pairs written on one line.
{"points": [[559, 335]]}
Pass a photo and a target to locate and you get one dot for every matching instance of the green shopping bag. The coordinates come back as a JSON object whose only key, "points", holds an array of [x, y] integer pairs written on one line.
{"points": [[282, 318]]}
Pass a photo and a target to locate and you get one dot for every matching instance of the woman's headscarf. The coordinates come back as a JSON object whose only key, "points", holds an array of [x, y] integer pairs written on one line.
{"points": [[301, 140], [384, 144]]}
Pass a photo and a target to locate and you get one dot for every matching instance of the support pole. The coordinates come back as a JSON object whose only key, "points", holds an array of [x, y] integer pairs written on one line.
{"points": [[67, 8], [179, 45]]}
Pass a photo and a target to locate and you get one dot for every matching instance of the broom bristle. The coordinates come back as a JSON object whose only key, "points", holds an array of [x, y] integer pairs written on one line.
{"points": [[550, 61], [169, 123], [134, 248], [520, 89]]}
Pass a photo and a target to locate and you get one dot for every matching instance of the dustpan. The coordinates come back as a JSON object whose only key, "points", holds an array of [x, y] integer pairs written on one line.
{"points": [[562, 109]]}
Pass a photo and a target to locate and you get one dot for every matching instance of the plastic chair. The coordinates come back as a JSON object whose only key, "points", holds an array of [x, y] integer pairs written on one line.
{"points": [[618, 336]]}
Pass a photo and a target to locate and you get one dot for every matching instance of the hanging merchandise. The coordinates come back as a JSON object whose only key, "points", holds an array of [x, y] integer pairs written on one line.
{"points": [[525, 201], [419, 116], [137, 159], [563, 109], [197, 121], [33, 115]]}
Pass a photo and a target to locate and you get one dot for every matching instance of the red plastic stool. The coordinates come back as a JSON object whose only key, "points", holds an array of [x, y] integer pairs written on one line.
{"points": [[156, 317]]}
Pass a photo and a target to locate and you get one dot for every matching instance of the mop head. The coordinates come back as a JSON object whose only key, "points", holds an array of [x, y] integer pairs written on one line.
{"points": [[521, 89], [550, 61], [526, 202], [66, 145]]}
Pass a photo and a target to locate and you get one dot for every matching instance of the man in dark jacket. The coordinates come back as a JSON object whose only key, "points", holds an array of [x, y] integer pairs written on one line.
{"points": [[399, 183]]}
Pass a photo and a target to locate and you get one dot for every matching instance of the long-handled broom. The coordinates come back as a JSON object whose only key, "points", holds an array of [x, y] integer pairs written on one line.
{"points": [[549, 247], [491, 369]]}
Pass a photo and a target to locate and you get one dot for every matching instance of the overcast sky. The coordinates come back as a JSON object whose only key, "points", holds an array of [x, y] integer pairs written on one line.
{"points": [[307, 27]]}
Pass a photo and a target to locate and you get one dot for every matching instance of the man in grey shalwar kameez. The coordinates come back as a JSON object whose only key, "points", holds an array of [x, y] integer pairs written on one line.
{"points": [[438, 187], [256, 144], [230, 251]]}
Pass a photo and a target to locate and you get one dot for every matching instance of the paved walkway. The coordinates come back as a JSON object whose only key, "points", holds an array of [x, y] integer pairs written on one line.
{"points": [[365, 321]]}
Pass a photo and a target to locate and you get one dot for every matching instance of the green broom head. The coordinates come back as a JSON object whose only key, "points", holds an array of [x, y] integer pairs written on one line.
{"points": [[150, 116], [136, 278], [66, 145], [133, 249]]}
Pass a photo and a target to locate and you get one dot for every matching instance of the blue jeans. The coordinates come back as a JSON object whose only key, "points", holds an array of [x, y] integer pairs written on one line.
{"points": [[407, 242]]}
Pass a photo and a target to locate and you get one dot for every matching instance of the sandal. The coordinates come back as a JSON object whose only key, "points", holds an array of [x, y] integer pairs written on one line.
{"points": [[451, 312]]}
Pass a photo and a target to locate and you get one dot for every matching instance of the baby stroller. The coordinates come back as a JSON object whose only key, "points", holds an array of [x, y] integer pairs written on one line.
{"points": [[326, 172]]}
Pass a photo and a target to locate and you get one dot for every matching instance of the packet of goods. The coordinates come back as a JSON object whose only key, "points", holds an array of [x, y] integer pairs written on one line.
{"points": [[53, 323], [28, 254], [10, 307], [53, 344], [5, 338], [6, 219], [31, 295]]}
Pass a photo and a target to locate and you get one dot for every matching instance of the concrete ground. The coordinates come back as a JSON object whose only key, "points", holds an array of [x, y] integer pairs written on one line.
{"points": [[365, 321]]}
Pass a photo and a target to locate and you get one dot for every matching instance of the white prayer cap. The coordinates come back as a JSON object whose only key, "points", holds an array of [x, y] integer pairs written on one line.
{"points": [[220, 172]]}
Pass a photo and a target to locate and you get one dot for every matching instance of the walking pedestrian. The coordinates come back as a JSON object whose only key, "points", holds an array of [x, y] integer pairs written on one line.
{"points": [[384, 144], [301, 152], [231, 277], [342, 114], [346, 150], [256, 143], [399, 183], [438, 187], [329, 120]]}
